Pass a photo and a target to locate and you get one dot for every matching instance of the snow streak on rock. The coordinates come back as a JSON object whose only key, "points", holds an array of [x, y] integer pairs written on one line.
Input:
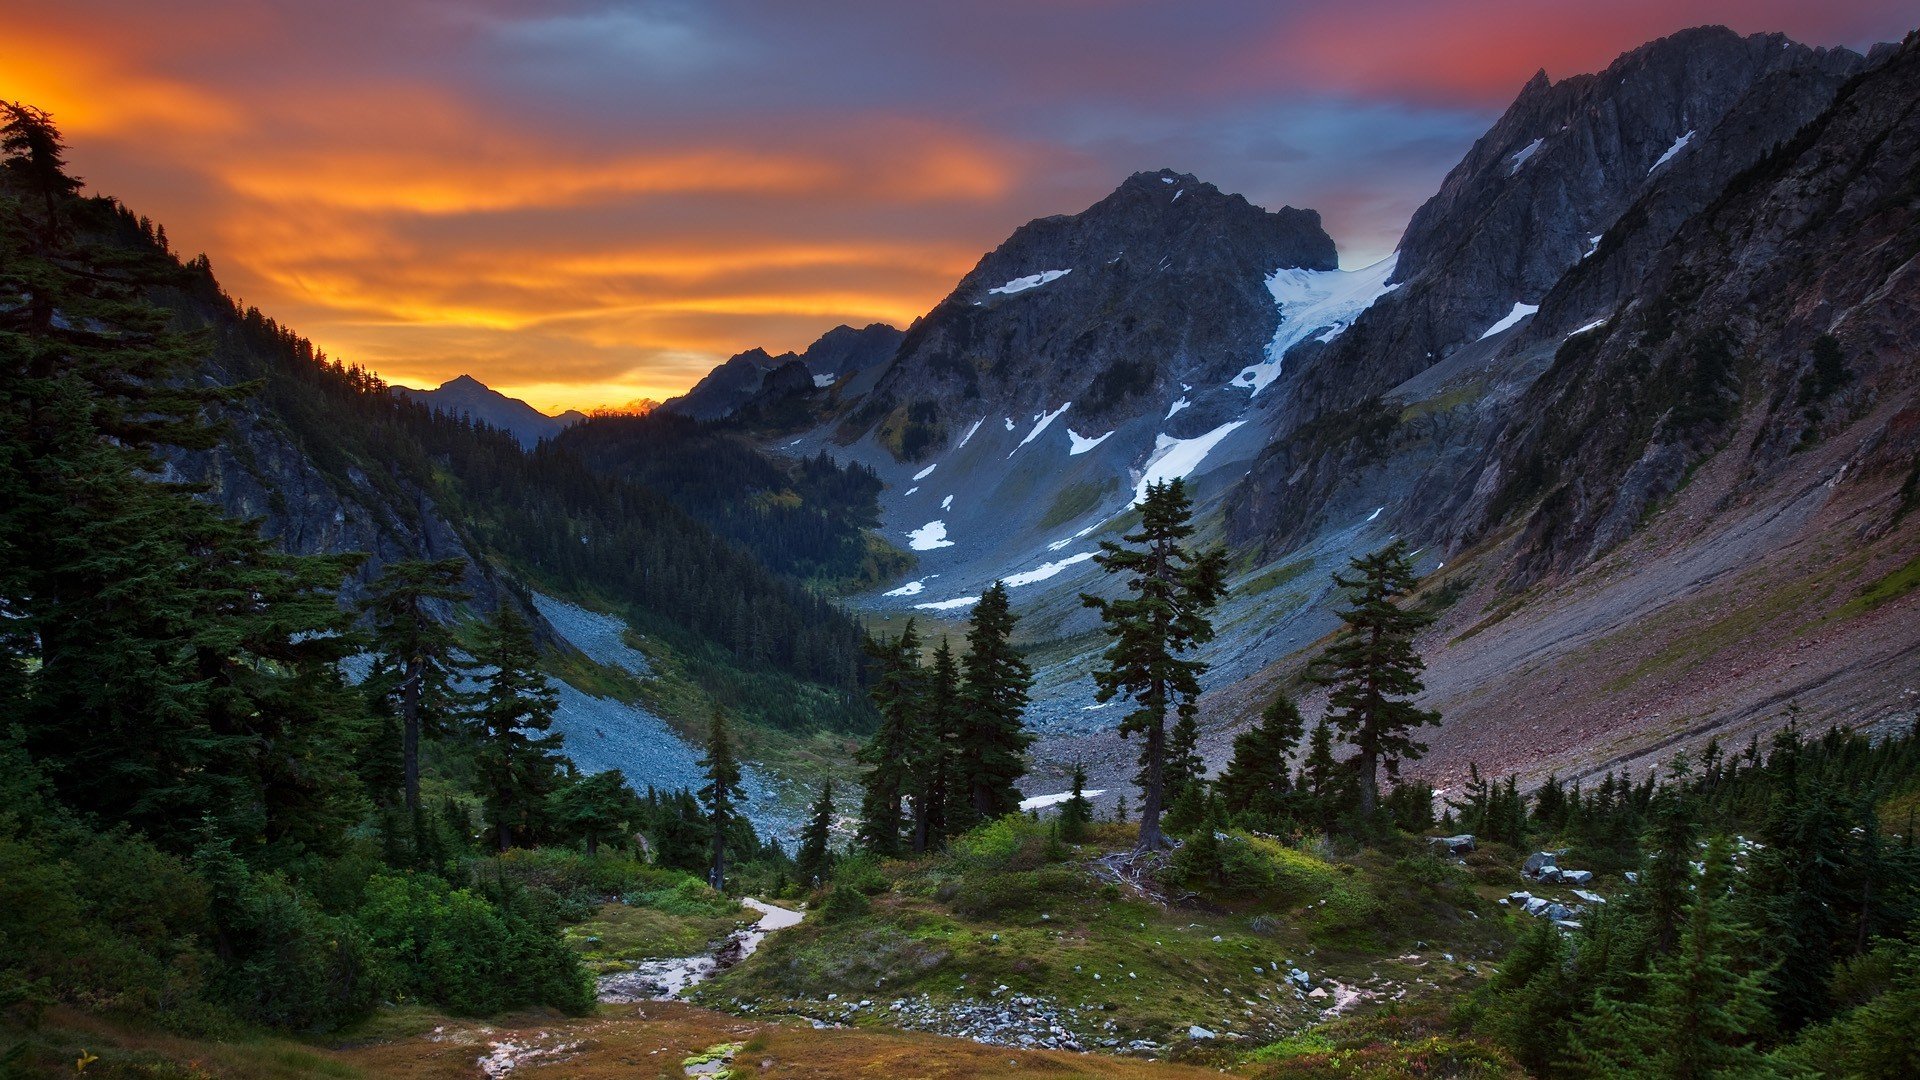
{"points": [[1040, 424], [1520, 311], [1082, 444], [1175, 459], [1031, 281]]}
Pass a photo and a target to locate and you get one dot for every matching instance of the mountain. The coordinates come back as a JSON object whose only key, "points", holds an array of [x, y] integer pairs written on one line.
{"points": [[1471, 394], [469, 397], [840, 353]]}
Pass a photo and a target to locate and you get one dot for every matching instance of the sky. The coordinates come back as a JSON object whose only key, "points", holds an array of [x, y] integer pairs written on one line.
{"points": [[588, 203]]}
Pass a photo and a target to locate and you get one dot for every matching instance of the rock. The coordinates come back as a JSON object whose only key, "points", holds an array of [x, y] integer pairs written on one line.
{"points": [[1576, 877], [1299, 978], [1537, 906], [1454, 845], [1537, 863], [1589, 897], [1318, 993], [1633, 878], [1194, 1032]]}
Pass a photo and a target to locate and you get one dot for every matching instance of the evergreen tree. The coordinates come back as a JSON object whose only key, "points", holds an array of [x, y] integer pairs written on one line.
{"points": [[1256, 782], [1323, 778], [991, 742], [1076, 813], [899, 693], [815, 860], [1184, 764], [1702, 1014], [1172, 591], [723, 784], [416, 667], [933, 759], [515, 754], [596, 808], [1372, 668]]}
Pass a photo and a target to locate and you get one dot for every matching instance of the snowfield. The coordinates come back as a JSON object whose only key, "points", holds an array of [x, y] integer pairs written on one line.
{"points": [[1082, 444], [1520, 311], [949, 605], [929, 536], [1045, 570], [1041, 422], [1039, 801], [1315, 300], [1175, 459], [1031, 281]]}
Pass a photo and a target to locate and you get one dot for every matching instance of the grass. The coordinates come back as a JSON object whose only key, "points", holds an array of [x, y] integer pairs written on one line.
{"points": [[1273, 578], [618, 936], [1075, 500], [1889, 588]]}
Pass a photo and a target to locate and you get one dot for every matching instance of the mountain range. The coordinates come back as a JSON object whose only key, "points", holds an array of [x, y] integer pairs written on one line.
{"points": [[469, 397]]}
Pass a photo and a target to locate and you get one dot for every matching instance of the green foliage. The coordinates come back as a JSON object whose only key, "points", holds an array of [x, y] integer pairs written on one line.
{"points": [[815, 859], [845, 902], [723, 783], [1172, 591], [515, 754], [453, 948], [990, 741], [1076, 813], [1256, 786]]}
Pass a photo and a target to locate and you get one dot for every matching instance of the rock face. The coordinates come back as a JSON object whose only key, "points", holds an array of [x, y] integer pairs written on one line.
{"points": [[469, 397], [838, 354], [1161, 283], [1572, 168]]}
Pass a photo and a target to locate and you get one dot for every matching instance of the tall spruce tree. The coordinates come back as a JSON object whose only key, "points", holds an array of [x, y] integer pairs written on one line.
{"points": [[1166, 616], [718, 794], [933, 765], [167, 665], [417, 665], [1372, 669], [991, 742], [815, 859], [596, 808], [1257, 782], [1184, 764], [515, 754], [899, 693], [1076, 814]]}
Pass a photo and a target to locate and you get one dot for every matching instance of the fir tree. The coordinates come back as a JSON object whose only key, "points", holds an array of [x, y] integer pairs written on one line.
{"points": [[815, 860], [1373, 668], [416, 667], [1323, 777], [596, 808], [899, 693], [722, 786], [1256, 782], [1184, 763], [991, 742], [1172, 591], [514, 751], [1076, 813], [933, 759]]}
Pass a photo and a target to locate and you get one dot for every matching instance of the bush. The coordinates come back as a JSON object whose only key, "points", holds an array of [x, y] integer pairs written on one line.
{"points": [[987, 895], [845, 903], [862, 873], [1014, 842], [452, 948]]}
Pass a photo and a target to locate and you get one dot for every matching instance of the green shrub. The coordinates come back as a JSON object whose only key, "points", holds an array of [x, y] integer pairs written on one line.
{"points": [[844, 903], [861, 872], [1014, 842]]}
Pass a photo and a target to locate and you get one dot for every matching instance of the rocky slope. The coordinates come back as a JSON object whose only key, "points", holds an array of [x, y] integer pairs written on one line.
{"points": [[841, 354]]}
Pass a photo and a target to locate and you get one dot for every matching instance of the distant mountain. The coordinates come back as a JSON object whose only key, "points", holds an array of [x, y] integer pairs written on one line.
{"points": [[468, 396], [839, 354]]}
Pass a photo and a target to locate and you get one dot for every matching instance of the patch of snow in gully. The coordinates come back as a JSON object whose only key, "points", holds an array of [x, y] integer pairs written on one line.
{"points": [[1315, 300], [969, 434], [1175, 459], [911, 588], [1521, 158], [1045, 570], [1594, 325], [1082, 444], [949, 605], [1176, 407], [1058, 544], [1679, 144], [1520, 311], [1040, 423], [929, 536], [1031, 281], [926, 472], [1039, 801], [821, 382], [946, 503]]}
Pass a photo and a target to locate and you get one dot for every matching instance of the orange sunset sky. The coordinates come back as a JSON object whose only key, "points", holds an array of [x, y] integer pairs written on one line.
{"points": [[584, 204]]}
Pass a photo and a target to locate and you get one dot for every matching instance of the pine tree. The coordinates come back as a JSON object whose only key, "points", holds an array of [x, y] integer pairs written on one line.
{"points": [[1172, 590], [1323, 777], [1373, 668], [1076, 813], [1256, 782], [815, 860], [1701, 1014], [933, 759], [596, 808], [416, 665], [899, 693], [1184, 763], [722, 786], [991, 742], [515, 754]]}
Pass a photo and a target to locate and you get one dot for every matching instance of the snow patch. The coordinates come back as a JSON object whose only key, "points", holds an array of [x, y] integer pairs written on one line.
{"points": [[946, 503], [911, 490], [929, 536], [948, 605], [1521, 158], [1031, 281], [1520, 311], [911, 588], [1039, 801], [1593, 245], [1082, 444], [1375, 514], [1176, 407], [821, 382], [1009, 423], [1679, 144], [1040, 423], [1177, 194], [1312, 301], [1058, 544], [1175, 459], [969, 434], [1594, 325], [1044, 570], [926, 472]]}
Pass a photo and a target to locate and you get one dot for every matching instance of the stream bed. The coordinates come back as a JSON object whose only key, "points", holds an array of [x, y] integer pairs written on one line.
{"points": [[665, 979]]}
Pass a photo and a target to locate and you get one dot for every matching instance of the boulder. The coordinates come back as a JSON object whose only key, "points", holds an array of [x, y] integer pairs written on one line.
{"points": [[1454, 845], [1576, 877], [1537, 862], [1198, 1032]]}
